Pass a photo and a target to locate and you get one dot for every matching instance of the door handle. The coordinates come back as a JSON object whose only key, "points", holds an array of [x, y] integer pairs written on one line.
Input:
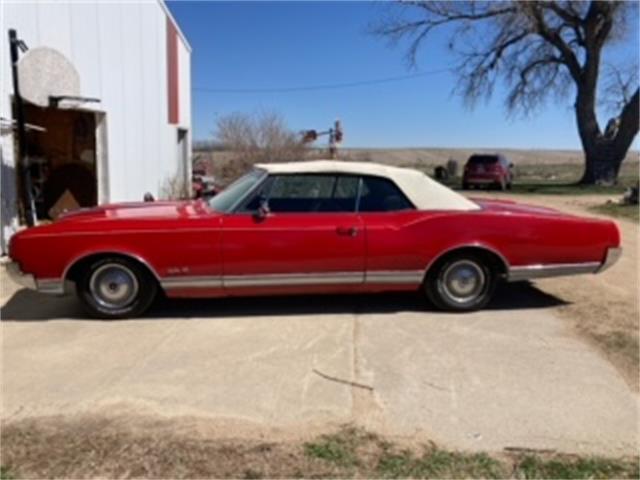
{"points": [[347, 231]]}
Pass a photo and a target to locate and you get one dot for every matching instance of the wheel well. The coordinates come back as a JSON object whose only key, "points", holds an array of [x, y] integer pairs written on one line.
{"points": [[73, 273], [496, 262]]}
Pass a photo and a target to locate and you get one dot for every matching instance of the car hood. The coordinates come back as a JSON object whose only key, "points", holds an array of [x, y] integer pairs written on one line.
{"points": [[136, 210]]}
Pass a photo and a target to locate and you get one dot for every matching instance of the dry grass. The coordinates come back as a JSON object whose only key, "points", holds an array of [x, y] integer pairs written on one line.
{"points": [[90, 447], [176, 188], [618, 210]]}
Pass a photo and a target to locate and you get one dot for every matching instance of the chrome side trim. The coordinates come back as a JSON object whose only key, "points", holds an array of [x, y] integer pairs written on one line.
{"points": [[612, 256], [191, 282], [530, 272], [394, 276], [294, 279], [25, 280]]}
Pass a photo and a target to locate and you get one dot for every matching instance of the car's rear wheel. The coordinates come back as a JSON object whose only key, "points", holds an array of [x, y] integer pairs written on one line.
{"points": [[461, 282], [116, 287]]}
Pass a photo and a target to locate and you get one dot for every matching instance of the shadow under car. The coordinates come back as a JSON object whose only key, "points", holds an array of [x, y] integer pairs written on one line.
{"points": [[27, 305]]}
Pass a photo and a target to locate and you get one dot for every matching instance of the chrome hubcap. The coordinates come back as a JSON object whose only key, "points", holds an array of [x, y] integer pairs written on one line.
{"points": [[463, 281], [113, 286]]}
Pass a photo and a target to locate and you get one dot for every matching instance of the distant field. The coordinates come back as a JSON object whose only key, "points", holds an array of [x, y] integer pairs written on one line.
{"points": [[531, 166], [439, 156]]}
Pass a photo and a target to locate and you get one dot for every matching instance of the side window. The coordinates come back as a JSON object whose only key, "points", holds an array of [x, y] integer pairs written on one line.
{"points": [[382, 195], [344, 195], [297, 187], [313, 193]]}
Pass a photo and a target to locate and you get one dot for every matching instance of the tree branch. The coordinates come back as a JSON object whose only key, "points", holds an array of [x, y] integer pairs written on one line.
{"points": [[629, 123], [554, 38]]}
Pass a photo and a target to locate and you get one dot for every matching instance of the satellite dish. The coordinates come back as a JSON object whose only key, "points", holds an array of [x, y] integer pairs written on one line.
{"points": [[44, 72]]}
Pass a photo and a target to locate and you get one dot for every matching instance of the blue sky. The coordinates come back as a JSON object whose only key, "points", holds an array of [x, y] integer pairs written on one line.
{"points": [[246, 45]]}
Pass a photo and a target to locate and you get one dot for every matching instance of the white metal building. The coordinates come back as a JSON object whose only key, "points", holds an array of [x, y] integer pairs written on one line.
{"points": [[132, 134]]}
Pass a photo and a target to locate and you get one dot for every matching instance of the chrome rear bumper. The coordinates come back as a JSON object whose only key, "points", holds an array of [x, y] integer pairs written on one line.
{"points": [[531, 272], [612, 256]]}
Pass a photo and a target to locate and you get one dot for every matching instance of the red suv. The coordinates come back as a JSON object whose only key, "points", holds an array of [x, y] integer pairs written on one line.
{"points": [[487, 170]]}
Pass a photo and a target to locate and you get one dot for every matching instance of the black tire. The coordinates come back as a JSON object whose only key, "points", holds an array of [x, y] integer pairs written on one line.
{"points": [[509, 186], [465, 186], [441, 290], [115, 287]]}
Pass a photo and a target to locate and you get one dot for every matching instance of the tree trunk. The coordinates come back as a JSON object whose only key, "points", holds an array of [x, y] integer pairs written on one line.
{"points": [[604, 153], [602, 165]]}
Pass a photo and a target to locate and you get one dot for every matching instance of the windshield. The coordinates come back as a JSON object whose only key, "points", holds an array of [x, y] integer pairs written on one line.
{"points": [[226, 200]]}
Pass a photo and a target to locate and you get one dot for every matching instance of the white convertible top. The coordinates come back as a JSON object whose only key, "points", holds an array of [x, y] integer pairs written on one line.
{"points": [[422, 191]]}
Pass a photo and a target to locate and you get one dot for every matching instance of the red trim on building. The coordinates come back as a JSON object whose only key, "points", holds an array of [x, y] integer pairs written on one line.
{"points": [[172, 73]]}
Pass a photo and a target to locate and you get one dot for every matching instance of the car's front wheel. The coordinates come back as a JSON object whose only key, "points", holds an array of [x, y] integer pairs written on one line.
{"points": [[116, 287], [462, 282]]}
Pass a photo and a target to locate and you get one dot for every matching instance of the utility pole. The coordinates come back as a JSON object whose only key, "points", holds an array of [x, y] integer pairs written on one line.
{"points": [[23, 160], [335, 134]]}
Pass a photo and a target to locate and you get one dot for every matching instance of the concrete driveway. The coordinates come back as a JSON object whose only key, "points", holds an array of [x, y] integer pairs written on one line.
{"points": [[510, 376]]}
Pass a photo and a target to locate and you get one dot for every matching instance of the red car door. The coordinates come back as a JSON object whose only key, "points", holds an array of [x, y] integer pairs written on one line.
{"points": [[310, 239], [394, 258]]}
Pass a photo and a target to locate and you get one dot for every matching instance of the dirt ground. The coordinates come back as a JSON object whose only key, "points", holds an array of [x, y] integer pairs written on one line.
{"points": [[603, 309]]}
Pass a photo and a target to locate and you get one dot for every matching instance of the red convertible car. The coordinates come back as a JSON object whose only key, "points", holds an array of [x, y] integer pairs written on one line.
{"points": [[308, 227]]}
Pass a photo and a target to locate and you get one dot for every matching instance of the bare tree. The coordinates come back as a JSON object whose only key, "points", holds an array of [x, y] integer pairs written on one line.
{"points": [[539, 49], [256, 138], [176, 187]]}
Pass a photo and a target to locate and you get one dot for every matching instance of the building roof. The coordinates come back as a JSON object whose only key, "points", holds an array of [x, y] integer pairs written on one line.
{"points": [[422, 191]]}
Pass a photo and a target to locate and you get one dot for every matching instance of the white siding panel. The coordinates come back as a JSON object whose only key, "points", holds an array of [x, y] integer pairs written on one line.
{"points": [[110, 47], [54, 25], [132, 99], [24, 18], [151, 94], [86, 47]]}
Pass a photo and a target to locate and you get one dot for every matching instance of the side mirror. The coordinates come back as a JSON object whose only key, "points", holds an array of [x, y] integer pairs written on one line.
{"points": [[263, 209]]}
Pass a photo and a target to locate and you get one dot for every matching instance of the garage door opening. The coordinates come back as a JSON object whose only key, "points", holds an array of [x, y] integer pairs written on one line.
{"points": [[62, 159]]}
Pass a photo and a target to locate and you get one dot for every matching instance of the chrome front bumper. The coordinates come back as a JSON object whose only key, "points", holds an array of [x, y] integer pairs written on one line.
{"points": [[18, 276], [531, 272], [51, 286]]}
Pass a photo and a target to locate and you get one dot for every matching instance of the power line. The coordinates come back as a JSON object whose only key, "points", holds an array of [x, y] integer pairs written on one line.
{"points": [[331, 86]]}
